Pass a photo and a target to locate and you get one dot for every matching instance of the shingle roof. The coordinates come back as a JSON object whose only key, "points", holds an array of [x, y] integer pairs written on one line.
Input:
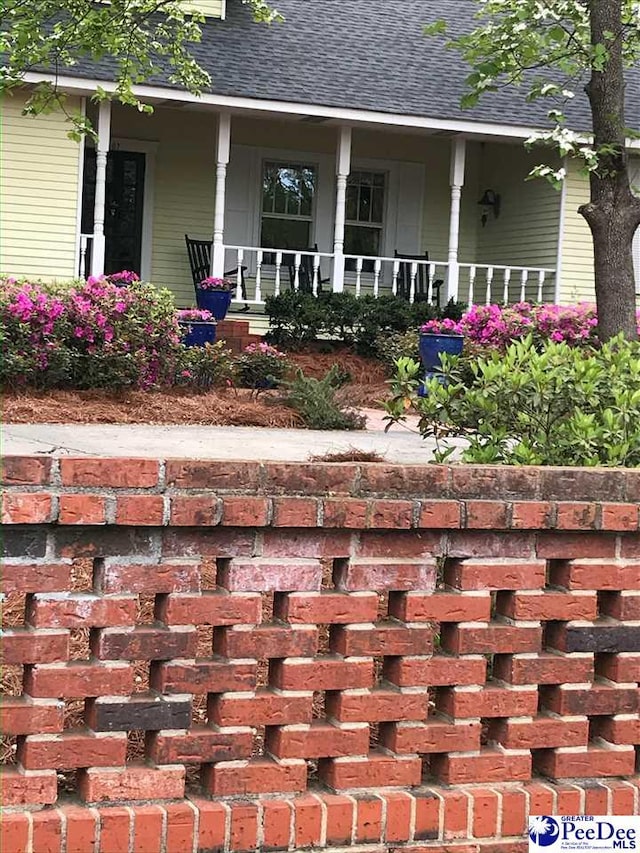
{"points": [[363, 54]]}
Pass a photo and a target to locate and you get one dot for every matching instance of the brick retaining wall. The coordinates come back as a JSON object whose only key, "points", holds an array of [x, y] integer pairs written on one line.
{"points": [[230, 656]]}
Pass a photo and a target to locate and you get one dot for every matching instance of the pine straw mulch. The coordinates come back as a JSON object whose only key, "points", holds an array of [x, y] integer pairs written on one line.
{"points": [[218, 407]]}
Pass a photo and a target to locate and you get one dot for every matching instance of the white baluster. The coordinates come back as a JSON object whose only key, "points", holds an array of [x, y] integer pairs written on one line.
{"points": [[489, 284], [507, 279], [472, 281], [541, 278], [394, 281], [296, 271], [83, 256], [431, 276], [316, 274], [278, 265], [259, 260], [358, 275], [523, 285], [377, 266], [412, 286]]}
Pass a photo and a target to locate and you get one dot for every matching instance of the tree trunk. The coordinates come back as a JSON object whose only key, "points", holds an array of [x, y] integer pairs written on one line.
{"points": [[613, 212]]}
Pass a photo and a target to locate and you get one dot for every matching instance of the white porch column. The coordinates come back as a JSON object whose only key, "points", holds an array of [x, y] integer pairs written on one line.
{"points": [[102, 150], [343, 167], [458, 157], [222, 161]]}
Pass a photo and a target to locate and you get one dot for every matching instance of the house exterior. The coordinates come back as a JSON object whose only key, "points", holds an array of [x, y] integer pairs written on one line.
{"points": [[332, 142]]}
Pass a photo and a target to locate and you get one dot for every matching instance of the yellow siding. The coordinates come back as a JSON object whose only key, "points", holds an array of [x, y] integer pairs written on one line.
{"points": [[577, 279], [210, 8], [38, 193]]}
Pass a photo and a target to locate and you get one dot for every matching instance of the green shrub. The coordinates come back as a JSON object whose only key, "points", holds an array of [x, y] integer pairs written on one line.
{"points": [[557, 405], [389, 348], [261, 366], [205, 367], [315, 400], [294, 319]]}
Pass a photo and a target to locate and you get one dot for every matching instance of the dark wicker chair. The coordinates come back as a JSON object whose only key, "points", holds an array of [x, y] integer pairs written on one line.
{"points": [[421, 292], [199, 252]]}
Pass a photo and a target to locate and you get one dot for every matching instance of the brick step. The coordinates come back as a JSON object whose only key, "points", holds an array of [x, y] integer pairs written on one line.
{"points": [[236, 335]]}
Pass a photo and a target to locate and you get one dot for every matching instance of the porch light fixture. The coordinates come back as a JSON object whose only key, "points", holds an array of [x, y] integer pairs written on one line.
{"points": [[490, 201]]}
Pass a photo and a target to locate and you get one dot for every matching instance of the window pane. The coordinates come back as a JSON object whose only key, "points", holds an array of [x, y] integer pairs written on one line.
{"points": [[288, 188], [365, 197], [285, 234], [352, 202], [361, 241], [268, 188], [364, 208]]}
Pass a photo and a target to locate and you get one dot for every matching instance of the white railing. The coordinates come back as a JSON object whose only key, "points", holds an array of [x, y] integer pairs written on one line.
{"points": [[269, 271], [410, 278], [487, 283], [84, 255]]}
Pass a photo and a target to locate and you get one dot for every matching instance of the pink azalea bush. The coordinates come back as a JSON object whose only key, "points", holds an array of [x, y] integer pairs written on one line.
{"points": [[496, 326], [261, 365], [93, 334], [194, 315]]}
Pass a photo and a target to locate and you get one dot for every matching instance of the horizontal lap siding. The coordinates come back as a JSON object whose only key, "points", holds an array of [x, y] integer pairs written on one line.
{"points": [[210, 8], [577, 284], [38, 193]]}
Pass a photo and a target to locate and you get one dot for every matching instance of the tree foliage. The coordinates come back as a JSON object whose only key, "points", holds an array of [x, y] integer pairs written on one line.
{"points": [[141, 38]]}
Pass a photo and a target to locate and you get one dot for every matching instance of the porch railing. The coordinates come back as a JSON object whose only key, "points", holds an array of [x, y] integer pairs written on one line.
{"points": [[84, 255], [486, 283], [269, 271]]}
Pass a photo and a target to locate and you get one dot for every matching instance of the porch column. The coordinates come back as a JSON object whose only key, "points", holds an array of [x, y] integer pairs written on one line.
{"points": [[343, 167], [222, 161], [458, 156], [102, 150]]}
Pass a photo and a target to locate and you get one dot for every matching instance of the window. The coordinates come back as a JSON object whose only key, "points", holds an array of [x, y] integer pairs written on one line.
{"points": [[288, 191], [364, 216]]}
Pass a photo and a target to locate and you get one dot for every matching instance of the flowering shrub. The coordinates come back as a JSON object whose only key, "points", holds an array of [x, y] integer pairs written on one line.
{"points": [[123, 278], [89, 335], [261, 365], [194, 315], [205, 367], [212, 283]]}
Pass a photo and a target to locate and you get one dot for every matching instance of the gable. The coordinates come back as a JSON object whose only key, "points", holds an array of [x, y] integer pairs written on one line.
{"points": [[210, 8]]}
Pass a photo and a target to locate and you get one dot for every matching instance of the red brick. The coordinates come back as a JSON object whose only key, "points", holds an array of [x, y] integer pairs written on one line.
{"points": [[308, 822], [77, 610], [41, 577], [203, 676], [245, 511], [514, 812], [398, 545], [25, 471], [619, 516], [494, 638], [440, 515], [81, 831], [489, 545], [437, 671], [345, 514], [305, 544], [22, 715], [404, 480], [594, 700], [47, 831], [319, 740], [267, 641], [71, 750], [456, 814], [575, 516], [258, 776], [541, 798], [109, 473], [26, 508], [21, 645], [243, 828], [568, 800], [495, 575], [590, 762], [368, 819], [377, 770], [324, 608], [559, 545], [383, 574], [199, 745], [131, 783], [145, 510], [548, 605], [487, 515], [14, 832], [440, 606], [28, 787], [490, 701], [597, 575], [82, 509], [486, 806], [181, 820], [596, 799], [436, 735], [398, 812], [211, 474], [622, 729], [212, 823], [79, 680], [150, 578], [385, 638], [360, 706], [194, 510], [145, 643], [264, 575], [310, 478], [210, 608], [542, 732], [623, 668], [544, 668], [394, 515], [340, 814], [490, 765], [623, 605], [623, 798], [295, 512], [264, 708], [115, 828], [530, 515], [427, 824], [276, 824], [322, 673]]}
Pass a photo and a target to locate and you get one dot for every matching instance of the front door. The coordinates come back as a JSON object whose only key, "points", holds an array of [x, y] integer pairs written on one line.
{"points": [[124, 203]]}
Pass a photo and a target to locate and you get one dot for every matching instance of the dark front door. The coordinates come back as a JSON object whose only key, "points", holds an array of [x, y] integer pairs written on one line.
{"points": [[123, 207]]}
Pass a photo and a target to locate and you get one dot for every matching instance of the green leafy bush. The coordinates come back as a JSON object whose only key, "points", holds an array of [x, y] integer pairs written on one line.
{"points": [[315, 400], [556, 405], [206, 367], [261, 366], [294, 319]]}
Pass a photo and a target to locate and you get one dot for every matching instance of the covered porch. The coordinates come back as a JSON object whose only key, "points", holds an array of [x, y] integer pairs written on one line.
{"points": [[314, 204]]}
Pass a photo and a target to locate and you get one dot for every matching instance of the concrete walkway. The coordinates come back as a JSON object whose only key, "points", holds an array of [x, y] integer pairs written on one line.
{"points": [[209, 442]]}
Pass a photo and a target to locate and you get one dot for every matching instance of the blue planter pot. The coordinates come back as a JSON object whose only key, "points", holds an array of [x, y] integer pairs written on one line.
{"points": [[198, 333], [216, 301], [431, 348]]}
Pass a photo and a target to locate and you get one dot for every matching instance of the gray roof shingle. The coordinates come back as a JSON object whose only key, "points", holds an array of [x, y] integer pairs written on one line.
{"points": [[363, 54]]}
